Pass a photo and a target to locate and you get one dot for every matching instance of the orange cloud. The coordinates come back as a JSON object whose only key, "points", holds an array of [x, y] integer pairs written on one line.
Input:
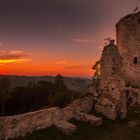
{"points": [[78, 67], [61, 62], [13, 57], [13, 60]]}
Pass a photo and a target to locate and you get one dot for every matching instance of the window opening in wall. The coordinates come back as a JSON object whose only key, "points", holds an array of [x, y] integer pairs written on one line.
{"points": [[135, 60]]}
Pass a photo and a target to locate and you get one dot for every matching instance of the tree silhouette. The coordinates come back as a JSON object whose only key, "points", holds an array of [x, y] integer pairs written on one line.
{"points": [[30, 88], [96, 68], [97, 73], [33, 96], [4, 91], [61, 92]]}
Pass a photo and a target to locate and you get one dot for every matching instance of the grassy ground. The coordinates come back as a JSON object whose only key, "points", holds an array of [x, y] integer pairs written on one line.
{"points": [[109, 130]]}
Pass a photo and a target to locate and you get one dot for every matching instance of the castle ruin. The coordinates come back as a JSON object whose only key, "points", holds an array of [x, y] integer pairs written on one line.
{"points": [[120, 69], [119, 86]]}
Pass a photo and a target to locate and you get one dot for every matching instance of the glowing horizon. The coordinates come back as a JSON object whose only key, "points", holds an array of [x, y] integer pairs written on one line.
{"points": [[64, 37]]}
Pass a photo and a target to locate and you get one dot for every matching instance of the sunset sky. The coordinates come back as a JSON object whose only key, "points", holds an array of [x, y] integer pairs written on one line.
{"points": [[47, 37]]}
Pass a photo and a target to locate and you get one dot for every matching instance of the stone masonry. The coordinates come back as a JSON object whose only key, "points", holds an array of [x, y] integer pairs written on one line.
{"points": [[120, 70], [20, 125]]}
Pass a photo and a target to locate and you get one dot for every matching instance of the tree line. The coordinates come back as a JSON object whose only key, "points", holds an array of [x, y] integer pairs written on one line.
{"points": [[33, 96]]}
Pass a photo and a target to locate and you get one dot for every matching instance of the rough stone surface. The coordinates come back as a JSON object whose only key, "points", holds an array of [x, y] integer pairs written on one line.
{"points": [[20, 125], [111, 104], [111, 61], [128, 42], [120, 69], [93, 120], [133, 95], [107, 108], [66, 127]]}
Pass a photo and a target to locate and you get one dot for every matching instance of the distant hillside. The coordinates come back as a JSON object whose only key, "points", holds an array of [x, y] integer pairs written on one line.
{"points": [[76, 84]]}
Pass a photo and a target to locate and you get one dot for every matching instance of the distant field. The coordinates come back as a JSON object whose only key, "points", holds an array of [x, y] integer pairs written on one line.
{"points": [[109, 130]]}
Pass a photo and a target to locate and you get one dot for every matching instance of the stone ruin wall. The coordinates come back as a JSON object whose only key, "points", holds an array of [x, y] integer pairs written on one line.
{"points": [[133, 94], [112, 102], [111, 81], [120, 69], [128, 42], [113, 87], [20, 125], [111, 63]]}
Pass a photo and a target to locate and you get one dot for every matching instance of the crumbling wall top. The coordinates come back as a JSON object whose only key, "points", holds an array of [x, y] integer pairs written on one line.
{"points": [[129, 19], [110, 49]]}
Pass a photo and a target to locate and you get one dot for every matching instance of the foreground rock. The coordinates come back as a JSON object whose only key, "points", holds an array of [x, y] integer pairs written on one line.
{"points": [[66, 127], [107, 108], [93, 120], [20, 125]]}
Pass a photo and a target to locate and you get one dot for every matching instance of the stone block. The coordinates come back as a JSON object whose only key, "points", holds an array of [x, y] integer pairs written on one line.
{"points": [[93, 120], [66, 127]]}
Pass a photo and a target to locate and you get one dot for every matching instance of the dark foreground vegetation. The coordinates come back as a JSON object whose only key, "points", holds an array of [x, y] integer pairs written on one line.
{"points": [[109, 130], [33, 96]]}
